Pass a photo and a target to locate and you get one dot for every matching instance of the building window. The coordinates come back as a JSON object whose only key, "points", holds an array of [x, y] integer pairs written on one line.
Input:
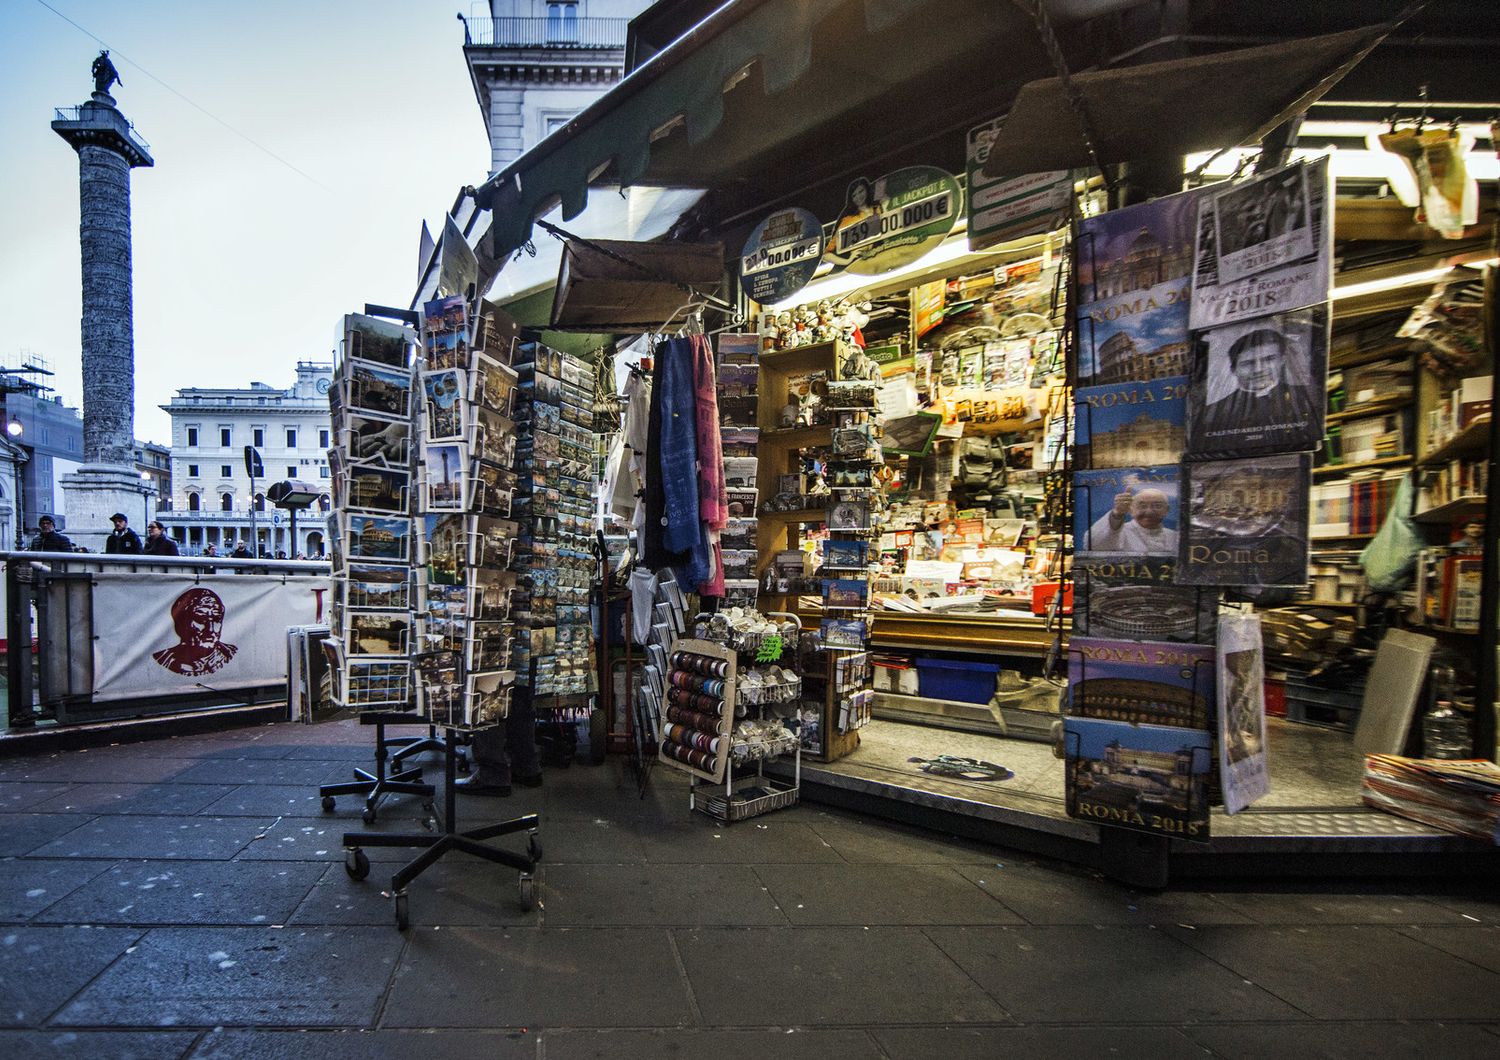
{"points": [[291, 437], [192, 436], [226, 502], [562, 22], [260, 502], [195, 503], [226, 471], [192, 471], [291, 472], [258, 437], [323, 438], [226, 437], [322, 470]]}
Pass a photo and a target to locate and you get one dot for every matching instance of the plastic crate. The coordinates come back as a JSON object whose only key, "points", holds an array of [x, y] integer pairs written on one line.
{"points": [[1313, 704], [957, 680]]}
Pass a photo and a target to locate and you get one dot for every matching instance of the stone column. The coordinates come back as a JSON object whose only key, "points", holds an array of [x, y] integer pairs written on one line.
{"points": [[108, 149]]}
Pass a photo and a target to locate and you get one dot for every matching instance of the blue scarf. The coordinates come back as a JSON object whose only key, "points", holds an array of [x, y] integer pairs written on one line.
{"points": [[678, 454]]}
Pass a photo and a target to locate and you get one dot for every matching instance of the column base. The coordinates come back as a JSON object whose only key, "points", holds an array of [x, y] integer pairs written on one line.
{"points": [[95, 492]]}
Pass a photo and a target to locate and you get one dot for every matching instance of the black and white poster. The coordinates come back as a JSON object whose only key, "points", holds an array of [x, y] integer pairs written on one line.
{"points": [[1246, 522], [1259, 386]]}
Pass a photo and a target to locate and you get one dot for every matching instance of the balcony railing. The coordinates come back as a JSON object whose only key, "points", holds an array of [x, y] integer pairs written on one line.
{"points": [[545, 32], [88, 112]]}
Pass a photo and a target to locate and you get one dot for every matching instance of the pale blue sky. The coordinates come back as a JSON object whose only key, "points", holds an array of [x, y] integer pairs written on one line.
{"points": [[242, 266]]}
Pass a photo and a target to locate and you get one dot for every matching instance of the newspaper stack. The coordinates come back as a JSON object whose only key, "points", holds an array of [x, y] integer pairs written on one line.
{"points": [[1462, 797]]}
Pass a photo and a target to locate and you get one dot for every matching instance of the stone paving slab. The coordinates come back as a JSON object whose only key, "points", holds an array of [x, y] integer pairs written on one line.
{"points": [[776, 839], [1036, 894], [529, 977], [1477, 945], [23, 795], [28, 886], [103, 765], [42, 967], [1037, 1043], [126, 836], [284, 800], [651, 895], [65, 1044], [211, 977], [887, 894], [321, 839], [188, 893], [147, 799], [263, 771], [366, 1045], [458, 891], [772, 1044], [865, 842], [1323, 908], [1348, 1041], [22, 833], [831, 977], [1352, 973], [1103, 975]]}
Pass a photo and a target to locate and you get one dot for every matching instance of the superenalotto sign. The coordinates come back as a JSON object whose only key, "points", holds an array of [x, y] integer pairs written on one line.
{"points": [[895, 220]]}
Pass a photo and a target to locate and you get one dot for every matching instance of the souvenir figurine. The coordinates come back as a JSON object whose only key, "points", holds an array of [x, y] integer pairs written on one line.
{"points": [[784, 330]]}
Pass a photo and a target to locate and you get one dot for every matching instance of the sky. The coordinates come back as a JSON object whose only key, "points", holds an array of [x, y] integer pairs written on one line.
{"points": [[243, 265]]}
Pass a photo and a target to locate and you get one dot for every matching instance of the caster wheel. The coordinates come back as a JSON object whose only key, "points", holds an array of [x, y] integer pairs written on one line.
{"points": [[429, 823], [429, 807], [327, 803], [534, 846], [530, 890], [356, 864], [462, 762], [369, 815], [403, 913]]}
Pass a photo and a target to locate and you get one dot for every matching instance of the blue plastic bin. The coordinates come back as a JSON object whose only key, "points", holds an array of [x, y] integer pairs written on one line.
{"points": [[956, 679]]}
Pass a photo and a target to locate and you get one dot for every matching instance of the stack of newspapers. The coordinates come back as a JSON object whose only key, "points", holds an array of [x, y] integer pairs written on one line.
{"points": [[1457, 796]]}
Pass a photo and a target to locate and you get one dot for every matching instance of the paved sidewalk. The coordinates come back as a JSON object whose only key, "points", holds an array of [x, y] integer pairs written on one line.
{"points": [[188, 898]]}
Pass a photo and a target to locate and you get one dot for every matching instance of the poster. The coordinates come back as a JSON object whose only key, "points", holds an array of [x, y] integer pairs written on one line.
{"points": [[1243, 772], [1126, 424], [780, 256], [1147, 778], [1122, 608], [895, 220], [1246, 522], [1128, 511], [1259, 386], [191, 634], [1247, 237], [1141, 682]]}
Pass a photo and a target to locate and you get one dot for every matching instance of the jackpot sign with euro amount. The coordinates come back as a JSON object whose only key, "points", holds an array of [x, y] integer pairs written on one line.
{"points": [[919, 208]]}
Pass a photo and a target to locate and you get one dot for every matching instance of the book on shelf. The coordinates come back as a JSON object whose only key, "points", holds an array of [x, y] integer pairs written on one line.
{"points": [[1356, 441], [1454, 481]]}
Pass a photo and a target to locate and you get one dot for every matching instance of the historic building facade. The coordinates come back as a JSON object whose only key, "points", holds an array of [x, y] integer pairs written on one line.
{"points": [[212, 498]]}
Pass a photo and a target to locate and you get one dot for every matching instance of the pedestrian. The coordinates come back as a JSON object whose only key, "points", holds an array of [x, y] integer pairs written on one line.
{"points": [[157, 541], [48, 539], [123, 541], [280, 554], [211, 550], [240, 552]]}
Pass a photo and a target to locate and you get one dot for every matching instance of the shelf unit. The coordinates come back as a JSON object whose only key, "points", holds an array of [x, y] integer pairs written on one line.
{"points": [[1372, 408], [1473, 439], [1363, 465], [1455, 511]]}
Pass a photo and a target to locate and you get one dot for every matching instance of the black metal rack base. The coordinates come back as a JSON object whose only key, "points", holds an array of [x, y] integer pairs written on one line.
{"points": [[415, 745], [437, 844], [377, 785]]}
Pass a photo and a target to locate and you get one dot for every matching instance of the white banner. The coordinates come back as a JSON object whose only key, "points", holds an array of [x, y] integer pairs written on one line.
{"points": [[1244, 774], [159, 634]]}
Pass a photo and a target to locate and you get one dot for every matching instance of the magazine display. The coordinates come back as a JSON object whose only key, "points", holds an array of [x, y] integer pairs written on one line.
{"points": [[1243, 773], [1259, 386], [1246, 522], [1264, 246], [1129, 424], [1147, 778], [1134, 284], [1141, 682]]}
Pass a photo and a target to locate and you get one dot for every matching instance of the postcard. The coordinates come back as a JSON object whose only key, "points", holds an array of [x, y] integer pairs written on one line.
{"points": [[850, 555], [380, 539], [377, 683], [1259, 386], [443, 541], [492, 384], [443, 403], [378, 389], [1129, 424], [1246, 522], [1147, 778], [446, 481], [377, 489], [1128, 511], [376, 632], [851, 594], [378, 441], [1141, 682], [488, 699], [368, 338], [490, 541], [378, 588]]}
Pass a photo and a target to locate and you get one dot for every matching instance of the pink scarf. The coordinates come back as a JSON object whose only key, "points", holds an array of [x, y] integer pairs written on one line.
{"points": [[713, 501]]}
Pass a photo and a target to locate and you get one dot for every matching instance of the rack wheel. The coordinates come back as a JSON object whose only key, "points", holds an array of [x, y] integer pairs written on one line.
{"points": [[530, 890], [356, 864], [403, 913], [369, 815], [462, 763], [534, 845], [327, 803], [429, 807]]}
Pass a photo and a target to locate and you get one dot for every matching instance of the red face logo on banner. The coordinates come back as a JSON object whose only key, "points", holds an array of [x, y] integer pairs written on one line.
{"points": [[198, 616]]}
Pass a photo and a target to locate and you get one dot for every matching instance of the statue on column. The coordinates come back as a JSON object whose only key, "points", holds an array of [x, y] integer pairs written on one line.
{"points": [[105, 74]]}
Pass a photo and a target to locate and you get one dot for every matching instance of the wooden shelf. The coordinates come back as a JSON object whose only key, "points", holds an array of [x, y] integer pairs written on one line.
{"points": [[1348, 605], [1475, 438], [817, 355], [1386, 351], [1452, 512], [1316, 541], [1370, 408], [806, 515], [1449, 630], [798, 437], [1384, 461]]}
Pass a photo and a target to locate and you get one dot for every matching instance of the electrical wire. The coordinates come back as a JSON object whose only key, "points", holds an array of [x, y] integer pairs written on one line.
{"points": [[201, 109]]}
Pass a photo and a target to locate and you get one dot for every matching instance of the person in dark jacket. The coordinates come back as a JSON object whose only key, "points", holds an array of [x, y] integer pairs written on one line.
{"points": [[157, 541], [240, 552], [123, 541], [48, 539]]}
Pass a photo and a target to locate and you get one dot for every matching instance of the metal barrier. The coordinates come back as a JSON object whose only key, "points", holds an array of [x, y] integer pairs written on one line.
{"points": [[98, 637]]}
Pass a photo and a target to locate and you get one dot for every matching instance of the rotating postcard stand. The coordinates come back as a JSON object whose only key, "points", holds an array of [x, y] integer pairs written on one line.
{"points": [[458, 663]]}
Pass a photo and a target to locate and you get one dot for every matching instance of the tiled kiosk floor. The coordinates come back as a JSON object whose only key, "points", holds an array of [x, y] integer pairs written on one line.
{"points": [[187, 897]]}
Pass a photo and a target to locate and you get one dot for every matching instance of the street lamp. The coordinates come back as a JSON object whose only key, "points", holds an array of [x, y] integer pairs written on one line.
{"points": [[15, 429]]}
